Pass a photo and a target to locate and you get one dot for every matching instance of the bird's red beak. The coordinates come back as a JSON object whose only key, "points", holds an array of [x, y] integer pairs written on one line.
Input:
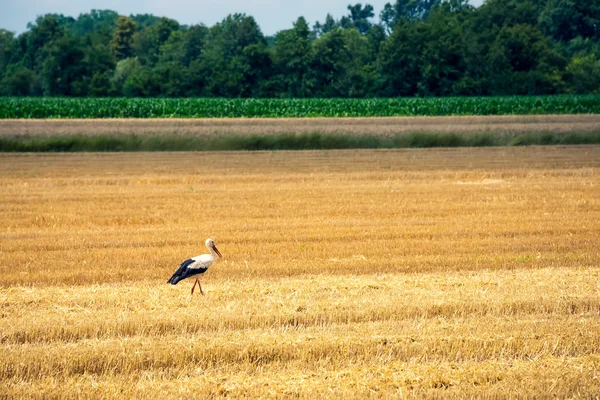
{"points": [[217, 251]]}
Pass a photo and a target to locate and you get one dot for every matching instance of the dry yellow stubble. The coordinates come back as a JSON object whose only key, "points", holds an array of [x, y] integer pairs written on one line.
{"points": [[358, 274]]}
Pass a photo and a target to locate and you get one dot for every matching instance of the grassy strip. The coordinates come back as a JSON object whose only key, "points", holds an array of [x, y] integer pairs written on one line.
{"points": [[314, 141], [43, 107]]}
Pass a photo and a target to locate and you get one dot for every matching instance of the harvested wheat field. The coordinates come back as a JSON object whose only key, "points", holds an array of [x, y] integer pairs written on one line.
{"points": [[355, 274]]}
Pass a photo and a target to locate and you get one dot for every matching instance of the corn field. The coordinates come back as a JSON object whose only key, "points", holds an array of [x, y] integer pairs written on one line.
{"points": [[31, 107]]}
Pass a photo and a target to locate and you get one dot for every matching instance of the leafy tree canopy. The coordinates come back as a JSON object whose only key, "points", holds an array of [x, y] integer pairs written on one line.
{"points": [[415, 48]]}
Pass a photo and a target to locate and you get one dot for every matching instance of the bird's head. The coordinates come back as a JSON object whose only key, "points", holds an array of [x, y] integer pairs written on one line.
{"points": [[210, 244]]}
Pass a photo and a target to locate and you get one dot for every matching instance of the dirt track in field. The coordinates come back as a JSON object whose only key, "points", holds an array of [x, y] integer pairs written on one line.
{"points": [[363, 126]]}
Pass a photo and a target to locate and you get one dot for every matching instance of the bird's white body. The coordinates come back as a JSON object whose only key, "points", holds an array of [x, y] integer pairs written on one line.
{"points": [[204, 260]]}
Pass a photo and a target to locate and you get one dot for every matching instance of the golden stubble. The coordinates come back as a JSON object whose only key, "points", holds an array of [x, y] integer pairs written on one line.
{"points": [[464, 272]]}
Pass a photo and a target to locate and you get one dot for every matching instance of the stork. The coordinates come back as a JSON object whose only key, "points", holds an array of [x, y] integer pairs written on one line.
{"points": [[196, 265]]}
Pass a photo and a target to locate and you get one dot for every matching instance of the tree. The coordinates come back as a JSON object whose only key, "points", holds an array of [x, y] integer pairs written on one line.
{"points": [[177, 66], [360, 16], [258, 65], [169, 69], [398, 63], [19, 81], [522, 62], [567, 19], [7, 49], [63, 70], [493, 15], [42, 34], [124, 69], [292, 59], [122, 41], [98, 58], [148, 41], [327, 26], [194, 40], [480, 29], [419, 48], [337, 64], [141, 84], [359, 69], [408, 10], [144, 20], [131, 79], [442, 50], [387, 17], [224, 64], [584, 74], [94, 21], [580, 46], [375, 36], [100, 85]]}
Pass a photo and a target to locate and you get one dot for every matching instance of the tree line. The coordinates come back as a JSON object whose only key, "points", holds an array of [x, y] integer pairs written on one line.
{"points": [[416, 48]]}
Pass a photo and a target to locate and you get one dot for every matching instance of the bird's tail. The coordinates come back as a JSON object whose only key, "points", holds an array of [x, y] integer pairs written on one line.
{"points": [[174, 279]]}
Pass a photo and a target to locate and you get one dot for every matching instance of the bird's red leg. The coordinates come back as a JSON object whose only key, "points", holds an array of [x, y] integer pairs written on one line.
{"points": [[193, 287], [200, 288]]}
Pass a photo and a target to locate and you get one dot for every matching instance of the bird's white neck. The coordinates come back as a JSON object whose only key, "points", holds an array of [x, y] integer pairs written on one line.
{"points": [[212, 251]]}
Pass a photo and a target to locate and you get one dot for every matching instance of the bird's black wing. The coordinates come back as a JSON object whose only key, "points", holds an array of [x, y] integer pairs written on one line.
{"points": [[179, 274], [184, 271]]}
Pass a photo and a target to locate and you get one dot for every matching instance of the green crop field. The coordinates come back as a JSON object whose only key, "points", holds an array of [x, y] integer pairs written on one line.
{"points": [[43, 107]]}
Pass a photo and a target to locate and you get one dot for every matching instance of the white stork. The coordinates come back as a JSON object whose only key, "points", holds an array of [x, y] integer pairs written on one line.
{"points": [[196, 265]]}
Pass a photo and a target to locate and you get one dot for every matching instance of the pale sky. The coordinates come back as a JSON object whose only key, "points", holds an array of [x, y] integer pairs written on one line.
{"points": [[272, 16]]}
